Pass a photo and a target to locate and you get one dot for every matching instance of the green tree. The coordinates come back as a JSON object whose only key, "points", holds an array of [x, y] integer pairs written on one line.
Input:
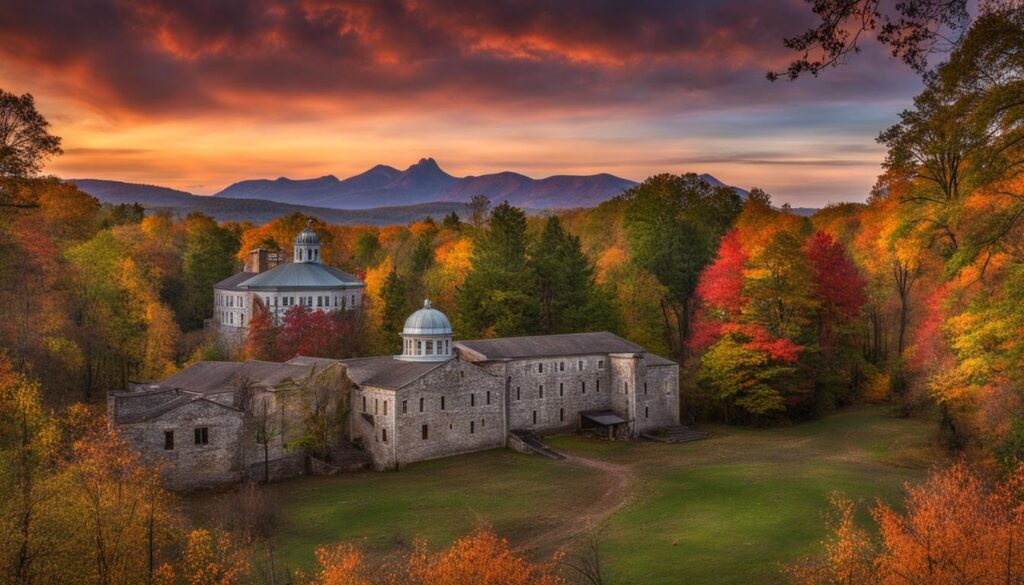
{"points": [[568, 296], [674, 224], [395, 309], [367, 252], [209, 257], [498, 297]]}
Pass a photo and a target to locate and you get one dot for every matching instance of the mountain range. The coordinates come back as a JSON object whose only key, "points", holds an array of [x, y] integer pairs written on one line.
{"points": [[426, 182], [380, 196]]}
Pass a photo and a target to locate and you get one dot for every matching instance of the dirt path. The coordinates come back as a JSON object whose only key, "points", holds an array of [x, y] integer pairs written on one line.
{"points": [[618, 483]]}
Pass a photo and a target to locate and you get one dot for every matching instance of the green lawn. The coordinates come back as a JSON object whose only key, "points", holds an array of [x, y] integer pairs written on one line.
{"points": [[727, 510]]}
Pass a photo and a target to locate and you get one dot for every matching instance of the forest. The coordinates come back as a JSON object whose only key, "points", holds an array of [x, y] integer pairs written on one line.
{"points": [[914, 298]]}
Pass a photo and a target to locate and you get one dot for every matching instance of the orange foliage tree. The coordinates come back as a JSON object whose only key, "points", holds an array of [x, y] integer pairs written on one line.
{"points": [[954, 530]]}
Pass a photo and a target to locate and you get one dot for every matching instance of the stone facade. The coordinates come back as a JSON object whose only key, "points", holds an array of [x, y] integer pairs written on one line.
{"points": [[454, 408]]}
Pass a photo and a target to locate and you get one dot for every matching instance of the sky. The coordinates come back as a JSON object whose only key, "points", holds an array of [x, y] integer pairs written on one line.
{"points": [[196, 95]]}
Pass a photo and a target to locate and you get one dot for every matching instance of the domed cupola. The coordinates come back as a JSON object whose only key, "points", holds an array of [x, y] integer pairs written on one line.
{"points": [[427, 336], [307, 245]]}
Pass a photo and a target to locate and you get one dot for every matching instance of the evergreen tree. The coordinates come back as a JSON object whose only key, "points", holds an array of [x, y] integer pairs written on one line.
{"points": [[498, 297], [566, 290], [394, 311], [452, 222]]}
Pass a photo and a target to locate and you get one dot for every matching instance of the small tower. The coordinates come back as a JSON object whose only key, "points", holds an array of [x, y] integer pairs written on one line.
{"points": [[427, 336], [307, 245]]}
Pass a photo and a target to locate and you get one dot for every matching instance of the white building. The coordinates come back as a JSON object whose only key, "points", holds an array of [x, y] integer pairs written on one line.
{"points": [[303, 281]]}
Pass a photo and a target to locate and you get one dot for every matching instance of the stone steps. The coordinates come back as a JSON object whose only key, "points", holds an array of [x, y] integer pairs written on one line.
{"points": [[348, 457], [531, 443], [677, 434]]}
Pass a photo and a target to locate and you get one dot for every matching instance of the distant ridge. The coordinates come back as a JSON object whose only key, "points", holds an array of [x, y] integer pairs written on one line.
{"points": [[425, 181]]}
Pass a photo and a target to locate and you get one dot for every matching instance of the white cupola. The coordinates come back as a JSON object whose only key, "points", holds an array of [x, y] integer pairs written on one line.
{"points": [[307, 245], [427, 336]]}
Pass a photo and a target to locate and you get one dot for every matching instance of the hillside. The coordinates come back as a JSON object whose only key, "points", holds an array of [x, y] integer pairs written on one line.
{"points": [[255, 210]]}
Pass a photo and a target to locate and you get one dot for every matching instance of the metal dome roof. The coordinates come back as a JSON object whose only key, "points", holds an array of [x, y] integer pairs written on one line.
{"points": [[427, 321], [307, 236]]}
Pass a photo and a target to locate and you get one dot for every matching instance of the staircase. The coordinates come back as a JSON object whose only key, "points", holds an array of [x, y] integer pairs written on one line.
{"points": [[677, 434], [527, 442], [344, 457]]}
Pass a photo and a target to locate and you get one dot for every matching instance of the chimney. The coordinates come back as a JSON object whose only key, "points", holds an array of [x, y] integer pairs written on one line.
{"points": [[261, 260]]}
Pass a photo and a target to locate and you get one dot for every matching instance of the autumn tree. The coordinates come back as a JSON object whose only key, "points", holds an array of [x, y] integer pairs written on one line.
{"points": [[25, 139], [261, 335], [482, 558], [954, 530], [208, 258]]}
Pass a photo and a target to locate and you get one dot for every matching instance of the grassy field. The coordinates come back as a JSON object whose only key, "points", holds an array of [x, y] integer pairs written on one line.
{"points": [[727, 510]]}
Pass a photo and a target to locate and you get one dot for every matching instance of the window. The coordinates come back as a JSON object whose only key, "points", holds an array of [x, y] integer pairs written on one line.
{"points": [[600, 364], [426, 432], [421, 404], [384, 435], [561, 366], [540, 368], [472, 399], [581, 365], [583, 387], [442, 403], [364, 404], [645, 387], [540, 393], [376, 406], [535, 417], [462, 374], [430, 347], [561, 388], [598, 385], [202, 436], [472, 427], [625, 387], [517, 393], [561, 415], [319, 301], [168, 440], [385, 408], [488, 397], [647, 412], [405, 406]]}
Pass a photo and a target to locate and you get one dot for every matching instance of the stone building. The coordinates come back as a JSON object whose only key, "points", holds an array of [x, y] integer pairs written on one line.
{"points": [[280, 285], [440, 397], [429, 402], [215, 423]]}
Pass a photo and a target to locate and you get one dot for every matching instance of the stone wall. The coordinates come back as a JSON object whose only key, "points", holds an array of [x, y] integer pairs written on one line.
{"points": [[188, 465], [462, 409], [570, 385], [657, 400]]}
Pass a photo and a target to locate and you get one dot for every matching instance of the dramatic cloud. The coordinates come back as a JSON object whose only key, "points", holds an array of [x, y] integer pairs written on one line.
{"points": [[136, 81]]}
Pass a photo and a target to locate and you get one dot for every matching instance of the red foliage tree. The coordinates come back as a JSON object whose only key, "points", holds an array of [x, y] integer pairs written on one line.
{"points": [[261, 339], [720, 291], [838, 283], [312, 333]]}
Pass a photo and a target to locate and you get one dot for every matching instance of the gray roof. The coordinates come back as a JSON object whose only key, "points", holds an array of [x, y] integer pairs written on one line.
{"points": [[427, 321], [657, 360], [387, 372], [311, 275], [165, 407], [232, 282], [540, 346], [307, 235], [213, 377], [603, 417]]}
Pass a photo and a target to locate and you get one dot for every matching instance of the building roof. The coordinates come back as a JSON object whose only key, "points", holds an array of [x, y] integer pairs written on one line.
{"points": [[387, 372], [173, 404], [311, 275], [307, 235], [232, 282], [213, 377], [541, 346], [427, 321]]}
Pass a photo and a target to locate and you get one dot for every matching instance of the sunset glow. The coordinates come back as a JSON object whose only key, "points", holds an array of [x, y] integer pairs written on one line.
{"points": [[196, 95]]}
